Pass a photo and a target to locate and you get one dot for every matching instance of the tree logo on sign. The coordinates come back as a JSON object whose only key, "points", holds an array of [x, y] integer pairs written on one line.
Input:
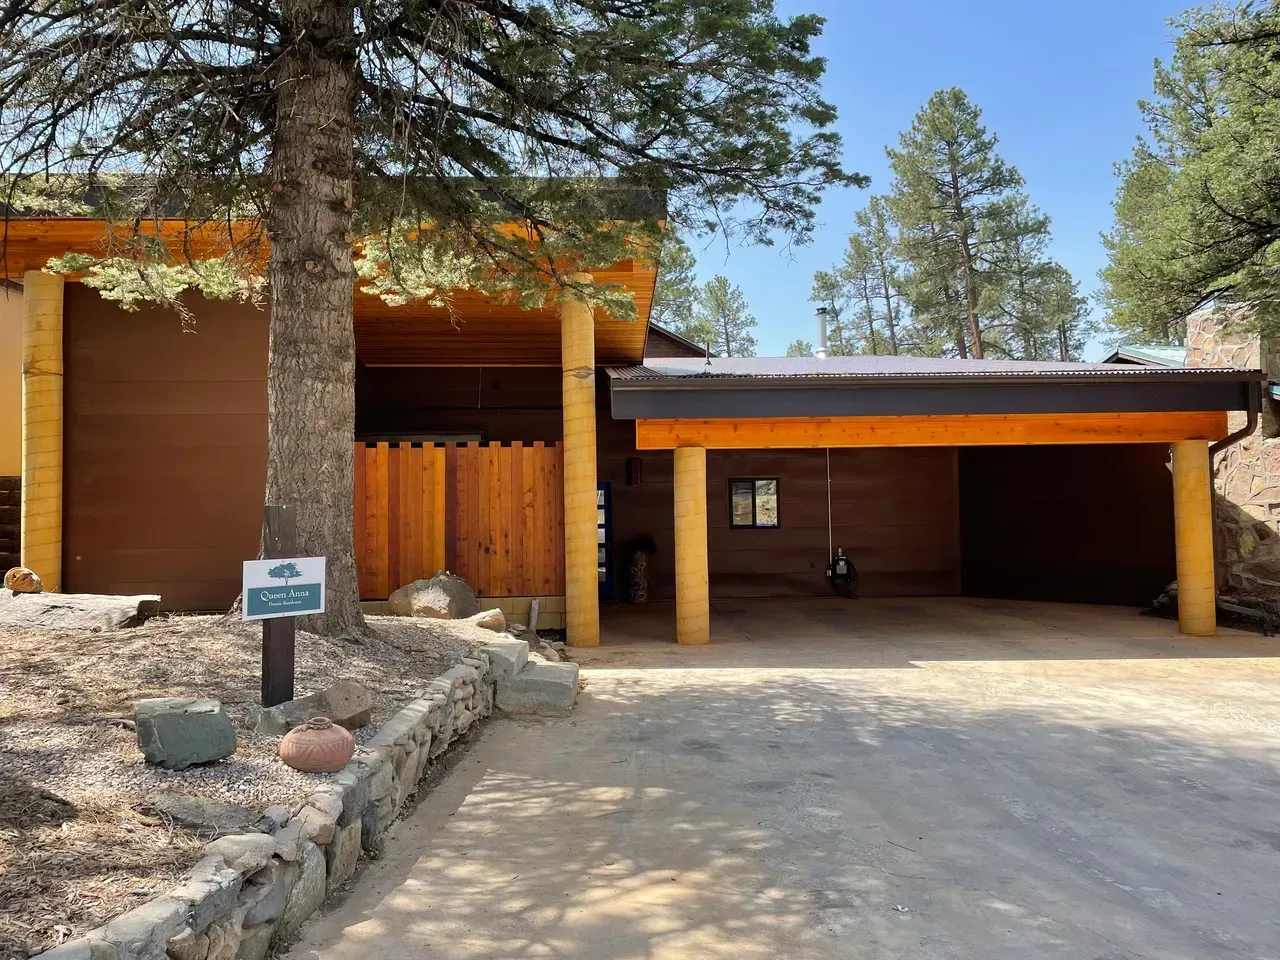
{"points": [[285, 572]]}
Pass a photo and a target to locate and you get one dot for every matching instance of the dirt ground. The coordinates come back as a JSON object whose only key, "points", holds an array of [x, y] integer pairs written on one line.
{"points": [[944, 779], [74, 848]]}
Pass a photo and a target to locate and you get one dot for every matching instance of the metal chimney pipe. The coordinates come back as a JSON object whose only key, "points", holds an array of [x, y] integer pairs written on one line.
{"points": [[821, 314]]}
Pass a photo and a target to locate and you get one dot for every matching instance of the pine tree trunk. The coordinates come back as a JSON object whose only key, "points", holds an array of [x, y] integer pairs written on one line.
{"points": [[966, 260], [888, 308], [311, 367]]}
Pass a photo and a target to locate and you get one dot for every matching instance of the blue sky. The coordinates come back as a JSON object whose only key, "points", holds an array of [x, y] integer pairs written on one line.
{"points": [[1057, 81]]}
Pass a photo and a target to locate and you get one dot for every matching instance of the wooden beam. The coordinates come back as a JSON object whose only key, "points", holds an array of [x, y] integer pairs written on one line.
{"points": [[957, 430]]}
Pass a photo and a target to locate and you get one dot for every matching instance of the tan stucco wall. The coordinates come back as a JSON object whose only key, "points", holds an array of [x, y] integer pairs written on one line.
{"points": [[10, 383]]}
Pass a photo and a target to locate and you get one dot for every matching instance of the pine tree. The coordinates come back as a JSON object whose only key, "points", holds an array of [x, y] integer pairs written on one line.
{"points": [[399, 142], [947, 177], [723, 308], [676, 291], [800, 348], [1016, 267], [1197, 213]]}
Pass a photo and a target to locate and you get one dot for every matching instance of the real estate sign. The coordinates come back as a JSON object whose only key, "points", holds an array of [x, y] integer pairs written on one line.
{"points": [[283, 588]]}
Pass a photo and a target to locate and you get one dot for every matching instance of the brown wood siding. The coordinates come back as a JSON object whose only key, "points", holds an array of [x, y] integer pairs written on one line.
{"points": [[662, 343], [894, 513], [166, 449], [501, 404], [1089, 524]]}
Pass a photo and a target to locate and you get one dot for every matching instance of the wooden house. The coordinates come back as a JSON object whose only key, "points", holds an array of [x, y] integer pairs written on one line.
{"points": [[527, 450]]}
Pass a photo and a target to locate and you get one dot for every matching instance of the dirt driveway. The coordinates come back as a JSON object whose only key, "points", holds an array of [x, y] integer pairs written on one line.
{"points": [[1040, 782]]}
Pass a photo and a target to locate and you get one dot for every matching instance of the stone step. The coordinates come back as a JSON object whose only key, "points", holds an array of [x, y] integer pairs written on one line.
{"points": [[507, 657], [540, 689]]}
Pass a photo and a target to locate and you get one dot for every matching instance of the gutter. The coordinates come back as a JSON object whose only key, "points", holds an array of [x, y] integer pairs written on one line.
{"points": [[1250, 425], [749, 382]]}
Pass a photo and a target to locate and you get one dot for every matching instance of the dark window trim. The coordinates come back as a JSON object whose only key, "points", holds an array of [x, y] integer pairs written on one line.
{"points": [[755, 523]]}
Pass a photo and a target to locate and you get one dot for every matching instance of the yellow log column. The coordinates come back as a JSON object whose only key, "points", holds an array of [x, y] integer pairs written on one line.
{"points": [[1193, 533], [578, 387], [42, 426], [693, 604]]}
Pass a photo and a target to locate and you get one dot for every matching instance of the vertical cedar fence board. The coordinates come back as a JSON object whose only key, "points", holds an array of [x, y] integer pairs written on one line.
{"points": [[494, 516]]}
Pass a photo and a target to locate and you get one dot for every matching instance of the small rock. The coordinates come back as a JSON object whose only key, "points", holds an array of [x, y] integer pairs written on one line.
{"points": [[444, 596], [347, 704], [23, 580], [176, 732], [317, 826], [208, 818], [185, 946], [267, 891], [490, 620], [247, 853], [343, 854], [255, 941], [307, 893]]}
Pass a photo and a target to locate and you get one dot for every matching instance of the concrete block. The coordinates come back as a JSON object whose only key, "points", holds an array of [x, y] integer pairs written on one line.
{"points": [[540, 689], [506, 658]]}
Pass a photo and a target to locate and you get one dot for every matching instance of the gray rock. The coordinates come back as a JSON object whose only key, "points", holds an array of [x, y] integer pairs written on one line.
{"points": [[277, 815], [540, 689], [255, 941], [210, 889], [371, 832], [343, 854], [223, 940], [444, 596], [75, 611], [506, 657], [75, 950], [347, 704], [266, 892], [289, 840], [247, 853], [185, 946], [317, 826], [176, 732], [145, 931], [355, 794], [490, 620], [307, 893], [208, 818]]}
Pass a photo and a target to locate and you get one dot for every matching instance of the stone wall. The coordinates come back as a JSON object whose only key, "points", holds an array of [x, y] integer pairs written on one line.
{"points": [[255, 889], [1246, 475]]}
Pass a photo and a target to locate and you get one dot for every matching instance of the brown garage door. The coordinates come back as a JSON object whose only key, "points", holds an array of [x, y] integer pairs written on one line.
{"points": [[165, 449]]}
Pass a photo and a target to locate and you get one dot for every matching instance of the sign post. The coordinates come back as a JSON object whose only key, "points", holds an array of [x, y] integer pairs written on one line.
{"points": [[276, 590]]}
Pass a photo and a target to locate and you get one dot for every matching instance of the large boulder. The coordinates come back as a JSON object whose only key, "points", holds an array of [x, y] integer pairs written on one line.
{"points": [[346, 703], [444, 597], [176, 732]]}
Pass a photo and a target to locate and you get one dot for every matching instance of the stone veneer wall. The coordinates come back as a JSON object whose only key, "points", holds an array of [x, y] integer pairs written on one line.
{"points": [[1247, 475], [253, 890]]}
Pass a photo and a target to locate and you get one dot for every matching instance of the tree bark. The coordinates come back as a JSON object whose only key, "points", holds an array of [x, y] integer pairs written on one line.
{"points": [[311, 364], [966, 258], [888, 305]]}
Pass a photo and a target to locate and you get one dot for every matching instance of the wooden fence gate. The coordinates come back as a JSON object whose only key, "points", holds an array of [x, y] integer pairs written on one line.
{"points": [[487, 512]]}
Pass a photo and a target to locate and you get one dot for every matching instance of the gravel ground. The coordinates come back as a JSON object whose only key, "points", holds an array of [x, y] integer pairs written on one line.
{"points": [[74, 850]]}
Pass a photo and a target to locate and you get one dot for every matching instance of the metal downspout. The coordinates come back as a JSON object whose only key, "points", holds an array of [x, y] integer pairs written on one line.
{"points": [[1250, 425]]}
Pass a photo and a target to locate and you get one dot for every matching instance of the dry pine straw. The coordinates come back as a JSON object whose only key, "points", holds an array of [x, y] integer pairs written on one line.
{"points": [[74, 850]]}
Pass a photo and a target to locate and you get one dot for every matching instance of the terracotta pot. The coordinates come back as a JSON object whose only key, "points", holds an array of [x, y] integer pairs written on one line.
{"points": [[317, 746]]}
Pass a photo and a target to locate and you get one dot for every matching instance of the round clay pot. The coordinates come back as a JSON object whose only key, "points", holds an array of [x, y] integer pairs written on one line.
{"points": [[317, 746]]}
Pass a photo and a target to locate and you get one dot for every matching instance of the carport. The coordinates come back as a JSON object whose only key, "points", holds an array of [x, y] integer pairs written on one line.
{"points": [[1125, 450]]}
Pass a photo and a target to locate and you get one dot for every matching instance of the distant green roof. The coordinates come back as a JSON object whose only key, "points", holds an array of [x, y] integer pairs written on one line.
{"points": [[1150, 355]]}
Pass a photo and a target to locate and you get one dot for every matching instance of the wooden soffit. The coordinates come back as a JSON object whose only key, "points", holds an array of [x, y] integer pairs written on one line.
{"points": [[479, 329], [930, 431]]}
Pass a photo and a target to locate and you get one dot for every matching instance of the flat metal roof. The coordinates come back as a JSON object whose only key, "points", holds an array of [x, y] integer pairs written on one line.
{"points": [[738, 387]]}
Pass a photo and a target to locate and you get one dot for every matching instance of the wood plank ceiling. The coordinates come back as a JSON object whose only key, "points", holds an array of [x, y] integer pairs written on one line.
{"points": [[480, 330]]}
